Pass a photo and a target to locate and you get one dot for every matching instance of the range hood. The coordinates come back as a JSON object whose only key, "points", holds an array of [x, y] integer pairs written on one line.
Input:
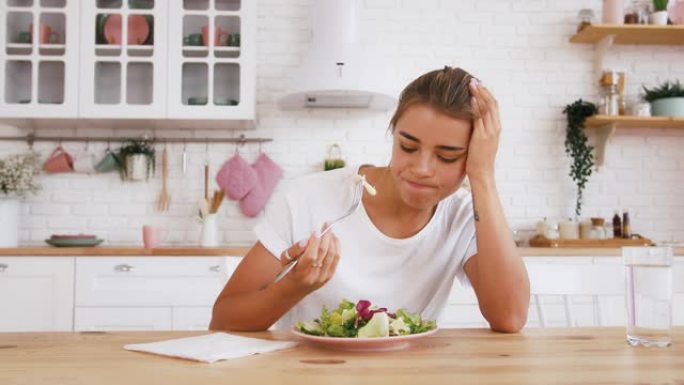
{"points": [[338, 72]]}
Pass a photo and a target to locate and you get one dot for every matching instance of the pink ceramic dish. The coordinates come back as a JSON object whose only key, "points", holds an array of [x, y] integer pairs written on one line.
{"points": [[138, 29], [363, 344], [74, 236]]}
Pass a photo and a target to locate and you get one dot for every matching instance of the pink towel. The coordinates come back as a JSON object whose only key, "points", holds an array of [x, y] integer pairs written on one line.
{"points": [[269, 174], [236, 177]]}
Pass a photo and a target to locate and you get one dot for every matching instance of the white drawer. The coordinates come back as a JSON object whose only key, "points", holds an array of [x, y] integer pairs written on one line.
{"points": [[191, 318], [149, 281], [121, 318]]}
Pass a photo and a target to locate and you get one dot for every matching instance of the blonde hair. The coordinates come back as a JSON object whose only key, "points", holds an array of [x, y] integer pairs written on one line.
{"points": [[446, 90]]}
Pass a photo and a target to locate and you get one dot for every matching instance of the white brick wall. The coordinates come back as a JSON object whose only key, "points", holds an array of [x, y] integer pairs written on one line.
{"points": [[519, 48]]}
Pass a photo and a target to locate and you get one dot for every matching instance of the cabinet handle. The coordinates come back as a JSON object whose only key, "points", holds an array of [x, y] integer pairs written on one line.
{"points": [[3, 267], [123, 267], [215, 268]]}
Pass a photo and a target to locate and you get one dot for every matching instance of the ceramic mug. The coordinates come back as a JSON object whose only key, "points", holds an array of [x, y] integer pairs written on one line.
{"points": [[151, 236], [193, 39], [218, 35], [47, 35], [85, 163], [233, 40], [24, 37], [109, 163], [59, 161]]}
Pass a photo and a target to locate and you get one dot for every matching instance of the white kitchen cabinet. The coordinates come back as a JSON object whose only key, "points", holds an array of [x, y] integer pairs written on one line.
{"points": [[215, 80], [123, 74], [122, 318], [128, 61], [161, 292], [39, 65], [37, 293], [149, 281]]}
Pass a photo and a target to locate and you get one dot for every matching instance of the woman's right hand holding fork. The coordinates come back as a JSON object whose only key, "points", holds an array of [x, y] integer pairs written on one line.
{"points": [[318, 257]]}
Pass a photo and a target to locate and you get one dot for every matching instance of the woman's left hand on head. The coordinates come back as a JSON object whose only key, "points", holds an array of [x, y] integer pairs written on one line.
{"points": [[484, 140]]}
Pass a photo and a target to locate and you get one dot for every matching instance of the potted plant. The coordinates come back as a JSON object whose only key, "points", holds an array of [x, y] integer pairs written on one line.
{"points": [[666, 100], [137, 159], [577, 147], [17, 181], [659, 15]]}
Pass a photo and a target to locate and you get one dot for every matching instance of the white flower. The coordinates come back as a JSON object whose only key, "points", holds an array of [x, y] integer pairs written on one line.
{"points": [[17, 174]]}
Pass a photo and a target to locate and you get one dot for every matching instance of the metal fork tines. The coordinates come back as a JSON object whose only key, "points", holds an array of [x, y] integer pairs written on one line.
{"points": [[356, 201]]}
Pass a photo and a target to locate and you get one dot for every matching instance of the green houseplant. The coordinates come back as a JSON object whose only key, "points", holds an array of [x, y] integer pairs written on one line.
{"points": [[577, 146], [137, 159], [659, 15], [667, 99]]}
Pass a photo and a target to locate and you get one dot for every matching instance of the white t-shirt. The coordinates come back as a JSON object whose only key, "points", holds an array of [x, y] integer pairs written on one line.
{"points": [[414, 273]]}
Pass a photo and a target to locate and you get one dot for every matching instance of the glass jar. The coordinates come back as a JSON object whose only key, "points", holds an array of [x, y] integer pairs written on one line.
{"points": [[632, 13], [597, 228], [585, 18]]}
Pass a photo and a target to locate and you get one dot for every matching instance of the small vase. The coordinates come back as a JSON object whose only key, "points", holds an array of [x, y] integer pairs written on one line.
{"points": [[613, 11], [9, 222], [209, 234], [658, 18], [136, 167]]}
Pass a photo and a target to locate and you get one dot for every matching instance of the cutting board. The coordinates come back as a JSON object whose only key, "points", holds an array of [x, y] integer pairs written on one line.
{"points": [[636, 240]]}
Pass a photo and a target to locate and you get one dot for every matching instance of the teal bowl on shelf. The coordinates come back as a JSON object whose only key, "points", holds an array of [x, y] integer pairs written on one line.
{"points": [[225, 102], [197, 101]]}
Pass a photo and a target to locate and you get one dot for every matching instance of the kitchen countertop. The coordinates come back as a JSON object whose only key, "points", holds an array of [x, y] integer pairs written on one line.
{"points": [[451, 356], [242, 250], [100, 251]]}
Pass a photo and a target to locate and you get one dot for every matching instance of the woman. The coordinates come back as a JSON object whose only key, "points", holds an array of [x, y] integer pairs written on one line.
{"points": [[404, 246]]}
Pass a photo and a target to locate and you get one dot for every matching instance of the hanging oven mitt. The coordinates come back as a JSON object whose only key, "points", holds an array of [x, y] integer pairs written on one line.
{"points": [[269, 174], [236, 177]]}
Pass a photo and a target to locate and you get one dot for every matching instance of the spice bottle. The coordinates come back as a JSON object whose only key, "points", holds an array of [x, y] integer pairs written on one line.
{"points": [[626, 230], [617, 225]]}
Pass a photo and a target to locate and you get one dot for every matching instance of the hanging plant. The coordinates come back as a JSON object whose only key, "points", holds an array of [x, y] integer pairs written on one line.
{"points": [[577, 146], [137, 159]]}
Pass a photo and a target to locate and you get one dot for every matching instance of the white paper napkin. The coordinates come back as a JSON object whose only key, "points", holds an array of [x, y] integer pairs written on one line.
{"points": [[211, 347]]}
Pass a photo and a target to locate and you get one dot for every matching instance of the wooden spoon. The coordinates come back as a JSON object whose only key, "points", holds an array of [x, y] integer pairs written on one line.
{"points": [[164, 198]]}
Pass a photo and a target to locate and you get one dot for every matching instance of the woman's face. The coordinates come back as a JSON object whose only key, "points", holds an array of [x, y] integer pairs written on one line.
{"points": [[428, 155]]}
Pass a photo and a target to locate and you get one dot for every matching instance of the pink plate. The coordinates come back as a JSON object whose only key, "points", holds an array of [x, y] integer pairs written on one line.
{"points": [[362, 344], [138, 29], [72, 236]]}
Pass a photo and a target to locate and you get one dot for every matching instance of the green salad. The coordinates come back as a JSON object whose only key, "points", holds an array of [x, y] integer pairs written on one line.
{"points": [[362, 320]]}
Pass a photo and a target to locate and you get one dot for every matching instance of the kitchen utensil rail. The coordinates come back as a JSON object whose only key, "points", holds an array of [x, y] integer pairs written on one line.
{"points": [[30, 139]]}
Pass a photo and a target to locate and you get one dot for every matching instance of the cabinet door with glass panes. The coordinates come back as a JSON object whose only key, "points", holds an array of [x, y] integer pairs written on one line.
{"points": [[39, 58], [212, 59], [123, 59]]}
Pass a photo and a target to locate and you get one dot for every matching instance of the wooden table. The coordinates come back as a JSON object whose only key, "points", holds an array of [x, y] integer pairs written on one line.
{"points": [[451, 356]]}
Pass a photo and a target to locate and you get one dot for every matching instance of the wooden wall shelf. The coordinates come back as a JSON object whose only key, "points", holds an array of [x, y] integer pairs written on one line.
{"points": [[631, 34], [635, 121], [605, 126]]}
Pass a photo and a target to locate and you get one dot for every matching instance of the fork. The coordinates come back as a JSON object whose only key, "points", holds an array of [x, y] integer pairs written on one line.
{"points": [[358, 194]]}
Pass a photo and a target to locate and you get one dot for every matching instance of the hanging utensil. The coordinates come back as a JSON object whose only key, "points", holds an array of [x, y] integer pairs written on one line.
{"points": [[184, 159], [164, 198], [206, 172]]}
